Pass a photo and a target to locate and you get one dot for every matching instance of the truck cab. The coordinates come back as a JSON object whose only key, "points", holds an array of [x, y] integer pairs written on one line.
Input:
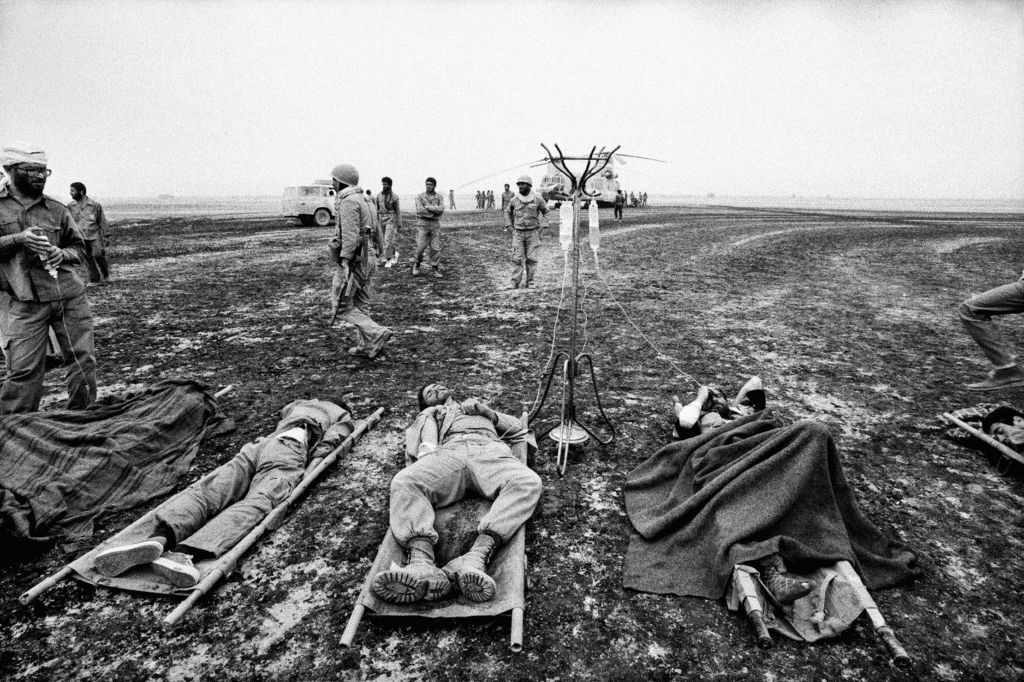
{"points": [[311, 204]]}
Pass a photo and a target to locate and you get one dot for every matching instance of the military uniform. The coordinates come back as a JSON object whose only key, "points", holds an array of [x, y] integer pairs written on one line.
{"points": [[40, 302], [522, 216], [358, 232], [390, 219], [429, 208], [92, 223]]}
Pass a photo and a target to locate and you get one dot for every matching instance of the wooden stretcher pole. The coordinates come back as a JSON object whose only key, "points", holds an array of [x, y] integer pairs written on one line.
{"points": [[516, 631], [1002, 448], [226, 564], [752, 605], [224, 391], [896, 651], [352, 626], [31, 594]]}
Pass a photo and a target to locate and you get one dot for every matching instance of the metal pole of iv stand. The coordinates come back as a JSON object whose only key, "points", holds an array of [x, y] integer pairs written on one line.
{"points": [[570, 430]]}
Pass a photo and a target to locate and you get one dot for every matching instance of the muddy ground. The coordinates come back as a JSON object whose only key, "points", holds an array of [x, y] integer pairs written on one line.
{"points": [[848, 318]]}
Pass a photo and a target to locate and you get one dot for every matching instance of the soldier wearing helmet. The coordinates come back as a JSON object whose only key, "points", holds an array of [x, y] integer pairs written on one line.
{"points": [[355, 248], [522, 219]]}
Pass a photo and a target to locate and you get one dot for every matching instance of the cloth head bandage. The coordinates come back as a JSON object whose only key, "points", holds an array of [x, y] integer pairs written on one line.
{"points": [[21, 152]]}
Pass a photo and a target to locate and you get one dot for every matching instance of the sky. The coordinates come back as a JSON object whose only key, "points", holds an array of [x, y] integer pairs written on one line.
{"points": [[902, 99]]}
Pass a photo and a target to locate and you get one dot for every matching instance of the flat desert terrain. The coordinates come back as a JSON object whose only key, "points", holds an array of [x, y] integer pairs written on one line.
{"points": [[848, 317]]}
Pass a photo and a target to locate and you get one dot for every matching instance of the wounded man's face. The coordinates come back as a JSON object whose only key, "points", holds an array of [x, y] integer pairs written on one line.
{"points": [[1012, 434]]}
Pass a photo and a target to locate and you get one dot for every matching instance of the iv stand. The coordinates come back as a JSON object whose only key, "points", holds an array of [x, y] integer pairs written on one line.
{"points": [[571, 430]]}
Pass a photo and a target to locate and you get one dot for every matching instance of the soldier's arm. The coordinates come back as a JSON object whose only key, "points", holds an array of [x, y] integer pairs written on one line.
{"points": [[438, 207], [70, 242]]}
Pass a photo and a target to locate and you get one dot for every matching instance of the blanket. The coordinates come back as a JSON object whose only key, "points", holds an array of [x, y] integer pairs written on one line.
{"points": [[60, 471], [741, 492]]}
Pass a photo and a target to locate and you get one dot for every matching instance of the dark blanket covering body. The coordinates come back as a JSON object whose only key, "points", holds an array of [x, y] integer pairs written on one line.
{"points": [[741, 492], [61, 470]]}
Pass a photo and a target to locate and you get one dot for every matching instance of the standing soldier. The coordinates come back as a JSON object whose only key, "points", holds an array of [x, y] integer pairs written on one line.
{"points": [[429, 207], [451, 199], [354, 248], [390, 221], [92, 223], [490, 199], [38, 246], [522, 217], [506, 197]]}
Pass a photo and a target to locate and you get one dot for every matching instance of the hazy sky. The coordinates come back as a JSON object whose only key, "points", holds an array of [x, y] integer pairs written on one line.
{"points": [[853, 99]]}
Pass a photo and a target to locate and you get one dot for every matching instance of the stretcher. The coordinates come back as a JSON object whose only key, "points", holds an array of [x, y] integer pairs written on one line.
{"points": [[809, 613], [211, 571], [456, 527]]}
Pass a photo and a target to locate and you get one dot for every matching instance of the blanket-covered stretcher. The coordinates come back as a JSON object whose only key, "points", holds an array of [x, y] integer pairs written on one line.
{"points": [[707, 507], [144, 579], [456, 527]]}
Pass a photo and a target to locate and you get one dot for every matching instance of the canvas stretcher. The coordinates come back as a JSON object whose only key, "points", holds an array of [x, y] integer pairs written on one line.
{"points": [[456, 527], [211, 571]]}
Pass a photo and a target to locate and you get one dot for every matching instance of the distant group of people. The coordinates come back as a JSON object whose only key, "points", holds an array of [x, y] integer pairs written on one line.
{"points": [[485, 200]]}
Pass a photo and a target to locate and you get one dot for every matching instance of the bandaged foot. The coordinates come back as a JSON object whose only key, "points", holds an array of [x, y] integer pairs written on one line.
{"points": [[469, 571], [420, 579], [177, 569], [785, 590], [116, 560]]}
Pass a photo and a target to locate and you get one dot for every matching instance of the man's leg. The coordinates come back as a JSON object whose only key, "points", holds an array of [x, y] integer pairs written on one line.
{"points": [[29, 329], [518, 255], [185, 513], [497, 475], [422, 240], [435, 249], [976, 315], [91, 248], [280, 466], [436, 480], [74, 333], [390, 237], [532, 249], [101, 260]]}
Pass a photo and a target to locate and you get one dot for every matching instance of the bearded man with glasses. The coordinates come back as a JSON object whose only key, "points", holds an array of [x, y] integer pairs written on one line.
{"points": [[39, 244]]}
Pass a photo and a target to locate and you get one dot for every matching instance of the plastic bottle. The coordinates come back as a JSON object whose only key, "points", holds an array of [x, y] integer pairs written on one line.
{"points": [[565, 219], [595, 229]]}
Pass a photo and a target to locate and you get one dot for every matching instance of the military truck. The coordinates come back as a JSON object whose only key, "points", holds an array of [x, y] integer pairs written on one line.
{"points": [[311, 204]]}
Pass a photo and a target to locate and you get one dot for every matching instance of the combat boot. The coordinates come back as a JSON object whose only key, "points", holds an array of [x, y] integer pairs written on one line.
{"points": [[1001, 377], [785, 590], [419, 579], [469, 571]]}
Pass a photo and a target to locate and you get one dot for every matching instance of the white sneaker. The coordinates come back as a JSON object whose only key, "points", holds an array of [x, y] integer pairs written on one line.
{"points": [[177, 569], [116, 560], [389, 264]]}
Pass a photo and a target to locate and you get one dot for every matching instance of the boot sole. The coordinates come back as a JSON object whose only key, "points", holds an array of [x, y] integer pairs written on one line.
{"points": [[114, 562], [476, 587], [398, 587]]}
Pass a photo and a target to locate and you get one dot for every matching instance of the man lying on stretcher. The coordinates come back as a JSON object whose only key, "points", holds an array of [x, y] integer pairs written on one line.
{"points": [[709, 410], [212, 516], [453, 448]]}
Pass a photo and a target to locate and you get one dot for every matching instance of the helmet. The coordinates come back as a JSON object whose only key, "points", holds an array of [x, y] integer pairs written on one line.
{"points": [[525, 178], [346, 174]]}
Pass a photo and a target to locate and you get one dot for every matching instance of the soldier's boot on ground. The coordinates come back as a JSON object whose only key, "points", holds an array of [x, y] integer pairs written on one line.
{"points": [[469, 571], [785, 590], [437, 273], [416, 270], [1001, 377], [419, 579]]}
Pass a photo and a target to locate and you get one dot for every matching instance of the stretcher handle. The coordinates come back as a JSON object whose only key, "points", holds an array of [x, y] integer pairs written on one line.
{"points": [[516, 634], [985, 438], [31, 594], [352, 626], [885, 633], [764, 640]]}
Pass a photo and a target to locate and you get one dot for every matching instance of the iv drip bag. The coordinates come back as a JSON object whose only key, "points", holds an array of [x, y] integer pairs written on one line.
{"points": [[595, 230], [565, 220]]}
